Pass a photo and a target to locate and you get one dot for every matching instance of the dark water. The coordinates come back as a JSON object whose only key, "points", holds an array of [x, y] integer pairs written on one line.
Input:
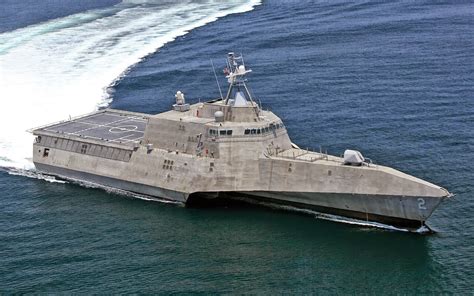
{"points": [[394, 80], [16, 14]]}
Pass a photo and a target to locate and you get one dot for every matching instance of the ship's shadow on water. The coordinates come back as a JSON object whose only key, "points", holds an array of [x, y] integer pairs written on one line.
{"points": [[330, 242]]}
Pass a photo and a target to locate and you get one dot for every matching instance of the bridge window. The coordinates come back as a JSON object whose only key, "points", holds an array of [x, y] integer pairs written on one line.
{"points": [[229, 132], [222, 132], [266, 129], [253, 131], [258, 131], [247, 131]]}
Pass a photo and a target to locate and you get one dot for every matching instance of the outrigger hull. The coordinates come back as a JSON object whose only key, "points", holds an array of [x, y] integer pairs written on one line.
{"points": [[113, 183], [391, 210]]}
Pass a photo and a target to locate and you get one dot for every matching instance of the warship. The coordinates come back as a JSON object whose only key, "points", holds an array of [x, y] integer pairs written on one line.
{"points": [[225, 148]]}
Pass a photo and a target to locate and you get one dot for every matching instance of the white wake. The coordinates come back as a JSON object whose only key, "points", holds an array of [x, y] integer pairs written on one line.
{"points": [[62, 67]]}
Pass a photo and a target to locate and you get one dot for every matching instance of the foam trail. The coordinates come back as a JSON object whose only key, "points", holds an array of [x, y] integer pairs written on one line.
{"points": [[62, 67], [31, 173]]}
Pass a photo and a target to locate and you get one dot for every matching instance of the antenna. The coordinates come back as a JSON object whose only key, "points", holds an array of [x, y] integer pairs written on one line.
{"points": [[217, 80]]}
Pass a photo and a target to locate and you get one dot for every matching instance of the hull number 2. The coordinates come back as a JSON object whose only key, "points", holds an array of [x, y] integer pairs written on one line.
{"points": [[421, 204]]}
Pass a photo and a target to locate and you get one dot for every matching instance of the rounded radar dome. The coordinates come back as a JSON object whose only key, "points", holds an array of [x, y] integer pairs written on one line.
{"points": [[219, 116]]}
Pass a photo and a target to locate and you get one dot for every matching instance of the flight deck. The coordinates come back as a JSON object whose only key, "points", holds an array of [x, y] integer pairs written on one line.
{"points": [[106, 125]]}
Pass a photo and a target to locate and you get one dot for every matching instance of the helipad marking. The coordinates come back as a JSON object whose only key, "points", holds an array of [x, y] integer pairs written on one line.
{"points": [[123, 128]]}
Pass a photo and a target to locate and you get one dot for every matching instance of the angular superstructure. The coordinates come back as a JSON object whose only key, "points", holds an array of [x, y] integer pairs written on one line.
{"points": [[223, 148]]}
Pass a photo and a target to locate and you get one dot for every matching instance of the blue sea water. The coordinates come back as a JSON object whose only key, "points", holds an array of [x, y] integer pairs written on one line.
{"points": [[392, 79]]}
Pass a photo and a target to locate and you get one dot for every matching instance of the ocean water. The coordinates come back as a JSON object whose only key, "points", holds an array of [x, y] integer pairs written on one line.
{"points": [[394, 80]]}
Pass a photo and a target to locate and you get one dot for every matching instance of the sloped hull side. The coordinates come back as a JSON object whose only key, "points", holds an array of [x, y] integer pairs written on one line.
{"points": [[404, 211], [74, 175]]}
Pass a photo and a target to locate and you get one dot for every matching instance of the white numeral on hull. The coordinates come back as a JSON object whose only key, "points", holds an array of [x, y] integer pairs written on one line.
{"points": [[421, 204]]}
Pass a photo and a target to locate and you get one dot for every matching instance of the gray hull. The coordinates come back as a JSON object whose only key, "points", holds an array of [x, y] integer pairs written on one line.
{"points": [[403, 211], [113, 183], [364, 207]]}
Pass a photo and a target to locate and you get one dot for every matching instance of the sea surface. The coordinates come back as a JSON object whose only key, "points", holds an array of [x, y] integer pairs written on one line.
{"points": [[394, 80]]}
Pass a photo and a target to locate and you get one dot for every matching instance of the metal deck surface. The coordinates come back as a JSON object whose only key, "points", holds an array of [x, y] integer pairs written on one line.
{"points": [[108, 125]]}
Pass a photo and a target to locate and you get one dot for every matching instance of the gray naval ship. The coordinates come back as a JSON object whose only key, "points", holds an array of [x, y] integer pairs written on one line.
{"points": [[223, 148]]}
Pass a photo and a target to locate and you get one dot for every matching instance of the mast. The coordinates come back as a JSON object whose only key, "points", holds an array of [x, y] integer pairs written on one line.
{"points": [[238, 95]]}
